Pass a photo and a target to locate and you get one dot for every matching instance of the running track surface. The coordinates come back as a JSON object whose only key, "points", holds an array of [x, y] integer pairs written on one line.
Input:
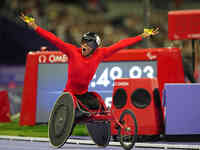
{"points": [[13, 144], [28, 145]]}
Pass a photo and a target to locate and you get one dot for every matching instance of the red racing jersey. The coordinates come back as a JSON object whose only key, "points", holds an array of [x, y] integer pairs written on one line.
{"points": [[81, 69]]}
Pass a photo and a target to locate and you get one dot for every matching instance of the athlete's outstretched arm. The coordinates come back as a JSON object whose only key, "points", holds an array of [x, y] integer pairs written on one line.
{"points": [[65, 47], [108, 51]]}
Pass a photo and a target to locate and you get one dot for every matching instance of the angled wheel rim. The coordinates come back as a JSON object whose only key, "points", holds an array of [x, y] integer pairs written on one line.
{"points": [[61, 120]]}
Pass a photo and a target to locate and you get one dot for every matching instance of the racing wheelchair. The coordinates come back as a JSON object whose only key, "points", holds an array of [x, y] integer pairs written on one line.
{"points": [[67, 111]]}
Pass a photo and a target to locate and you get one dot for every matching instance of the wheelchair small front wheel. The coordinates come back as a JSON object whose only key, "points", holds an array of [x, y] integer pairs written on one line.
{"points": [[128, 134]]}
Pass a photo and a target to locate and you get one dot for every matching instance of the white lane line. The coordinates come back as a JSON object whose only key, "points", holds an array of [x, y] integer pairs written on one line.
{"points": [[14, 147], [89, 142]]}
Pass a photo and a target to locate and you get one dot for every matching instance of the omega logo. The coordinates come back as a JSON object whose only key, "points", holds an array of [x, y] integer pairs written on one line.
{"points": [[54, 59], [42, 59], [121, 83]]}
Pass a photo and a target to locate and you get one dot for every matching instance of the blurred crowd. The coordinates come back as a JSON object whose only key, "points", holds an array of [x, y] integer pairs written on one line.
{"points": [[110, 19], [70, 19]]}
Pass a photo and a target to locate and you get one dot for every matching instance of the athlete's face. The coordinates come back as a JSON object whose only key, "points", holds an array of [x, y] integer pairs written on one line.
{"points": [[86, 50]]}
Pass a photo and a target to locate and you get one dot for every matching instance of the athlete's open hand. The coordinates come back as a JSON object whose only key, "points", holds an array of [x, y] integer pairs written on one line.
{"points": [[148, 32], [29, 20]]}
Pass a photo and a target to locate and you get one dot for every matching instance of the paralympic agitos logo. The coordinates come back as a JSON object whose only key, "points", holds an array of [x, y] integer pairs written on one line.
{"points": [[52, 58]]}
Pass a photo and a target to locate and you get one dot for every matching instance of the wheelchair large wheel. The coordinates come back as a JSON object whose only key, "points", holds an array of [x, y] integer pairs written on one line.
{"points": [[128, 134], [99, 132], [61, 120]]}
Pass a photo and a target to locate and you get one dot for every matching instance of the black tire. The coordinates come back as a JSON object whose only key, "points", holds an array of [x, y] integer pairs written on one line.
{"points": [[99, 132], [128, 136], [61, 120]]}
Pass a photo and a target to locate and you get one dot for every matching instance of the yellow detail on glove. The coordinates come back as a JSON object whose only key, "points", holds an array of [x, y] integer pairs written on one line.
{"points": [[29, 19], [149, 31]]}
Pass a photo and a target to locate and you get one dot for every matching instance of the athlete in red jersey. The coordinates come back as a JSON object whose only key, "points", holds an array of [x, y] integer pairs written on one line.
{"points": [[83, 61]]}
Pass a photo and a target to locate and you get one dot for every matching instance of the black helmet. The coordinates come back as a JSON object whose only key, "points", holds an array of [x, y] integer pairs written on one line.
{"points": [[92, 39]]}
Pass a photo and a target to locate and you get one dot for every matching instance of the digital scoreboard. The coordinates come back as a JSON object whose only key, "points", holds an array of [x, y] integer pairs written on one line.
{"points": [[107, 72]]}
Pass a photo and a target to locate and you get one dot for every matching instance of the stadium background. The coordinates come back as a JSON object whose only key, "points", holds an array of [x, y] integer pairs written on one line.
{"points": [[112, 19]]}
